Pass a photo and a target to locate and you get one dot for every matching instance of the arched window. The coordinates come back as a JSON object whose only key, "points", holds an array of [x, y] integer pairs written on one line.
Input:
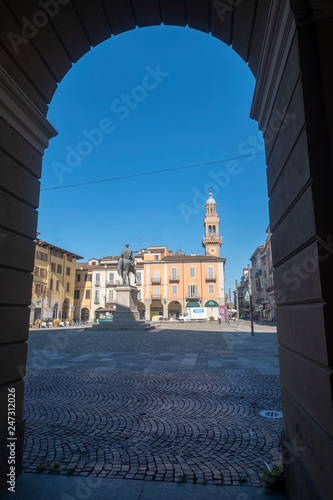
{"points": [[214, 229], [209, 229]]}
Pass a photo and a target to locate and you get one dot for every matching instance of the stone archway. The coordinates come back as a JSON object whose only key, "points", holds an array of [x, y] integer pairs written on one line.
{"points": [[288, 46], [174, 309], [156, 309], [142, 310], [85, 314]]}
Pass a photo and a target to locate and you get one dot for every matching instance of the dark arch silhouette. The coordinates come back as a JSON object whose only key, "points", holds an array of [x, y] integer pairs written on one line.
{"points": [[288, 46]]}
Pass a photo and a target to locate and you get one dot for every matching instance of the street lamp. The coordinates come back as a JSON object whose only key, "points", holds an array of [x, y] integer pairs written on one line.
{"points": [[250, 292], [80, 309]]}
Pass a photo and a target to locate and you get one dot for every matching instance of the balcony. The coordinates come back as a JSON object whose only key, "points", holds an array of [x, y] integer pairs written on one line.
{"points": [[97, 283], [110, 283], [173, 279], [193, 297], [156, 281], [270, 289], [110, 303], [210, 279], [96, 301], [156, 297]]}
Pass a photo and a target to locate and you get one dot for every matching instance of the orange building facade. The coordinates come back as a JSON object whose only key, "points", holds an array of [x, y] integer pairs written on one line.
{"points": [[176, 282]]}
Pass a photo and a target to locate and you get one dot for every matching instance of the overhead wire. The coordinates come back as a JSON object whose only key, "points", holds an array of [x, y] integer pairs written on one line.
{"points": [[152, 172]]}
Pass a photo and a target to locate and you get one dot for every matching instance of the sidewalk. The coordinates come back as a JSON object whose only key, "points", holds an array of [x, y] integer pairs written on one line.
{"points": [[50, 487]]}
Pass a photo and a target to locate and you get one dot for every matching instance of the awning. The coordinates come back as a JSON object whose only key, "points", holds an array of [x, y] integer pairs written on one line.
{"points": [[193, 304], [211, 303]]}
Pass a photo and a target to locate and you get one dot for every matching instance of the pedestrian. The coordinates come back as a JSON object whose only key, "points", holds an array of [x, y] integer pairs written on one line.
{"points": [[219, 319]]}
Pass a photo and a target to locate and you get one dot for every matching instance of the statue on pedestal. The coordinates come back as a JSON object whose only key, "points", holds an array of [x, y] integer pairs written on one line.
{"points": [[126, 264]]}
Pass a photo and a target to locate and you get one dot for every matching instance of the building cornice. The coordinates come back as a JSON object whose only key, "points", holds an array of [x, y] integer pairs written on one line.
{"points": [[21, 114]]}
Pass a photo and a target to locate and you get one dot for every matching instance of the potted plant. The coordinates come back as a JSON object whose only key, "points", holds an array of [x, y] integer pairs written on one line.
{"points": [[211, 318], [56, 322]]}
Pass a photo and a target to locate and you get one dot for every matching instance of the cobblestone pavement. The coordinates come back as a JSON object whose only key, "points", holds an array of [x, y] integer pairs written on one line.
{"points": [[176, 350], [95, 419]]}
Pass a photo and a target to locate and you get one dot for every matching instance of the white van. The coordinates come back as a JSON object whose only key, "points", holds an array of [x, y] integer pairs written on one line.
{"points": [[185, 317]]}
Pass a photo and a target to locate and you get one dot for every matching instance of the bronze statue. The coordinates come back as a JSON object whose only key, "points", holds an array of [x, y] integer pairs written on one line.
{"points": [[126, 264]]}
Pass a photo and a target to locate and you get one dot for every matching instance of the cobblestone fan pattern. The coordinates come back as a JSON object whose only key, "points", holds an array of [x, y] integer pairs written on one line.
{"points": [[203, 428]]}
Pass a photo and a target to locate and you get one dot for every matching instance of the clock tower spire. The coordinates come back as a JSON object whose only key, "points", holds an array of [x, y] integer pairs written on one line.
{"points": [[211, 240]]}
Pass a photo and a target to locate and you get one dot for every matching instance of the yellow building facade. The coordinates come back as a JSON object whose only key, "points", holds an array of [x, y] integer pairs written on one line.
{"points": [[82, 292], [53, 282]]}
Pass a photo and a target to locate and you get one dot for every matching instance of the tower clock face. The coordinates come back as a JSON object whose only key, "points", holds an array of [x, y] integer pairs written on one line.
{"points": [[212, 251]]}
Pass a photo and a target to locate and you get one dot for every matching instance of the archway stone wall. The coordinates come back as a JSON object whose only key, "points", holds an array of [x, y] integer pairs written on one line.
{"points": [[289, 52]]}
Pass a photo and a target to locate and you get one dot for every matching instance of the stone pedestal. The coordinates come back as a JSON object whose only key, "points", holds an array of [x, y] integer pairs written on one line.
{"points": [[126, 315], [127, 304]]}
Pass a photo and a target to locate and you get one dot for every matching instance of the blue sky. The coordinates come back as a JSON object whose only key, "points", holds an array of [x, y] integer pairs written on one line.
{"points": [[152, 99]]}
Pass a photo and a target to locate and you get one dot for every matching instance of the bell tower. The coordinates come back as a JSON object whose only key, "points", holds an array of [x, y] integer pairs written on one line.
{"points": [[211, 240]]}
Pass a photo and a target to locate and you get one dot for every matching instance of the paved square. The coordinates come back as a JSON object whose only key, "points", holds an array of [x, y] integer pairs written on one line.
{"points": [[169, 405]]}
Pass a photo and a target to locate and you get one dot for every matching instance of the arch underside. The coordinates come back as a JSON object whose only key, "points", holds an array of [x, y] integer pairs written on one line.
{"points": [[68, 31]]}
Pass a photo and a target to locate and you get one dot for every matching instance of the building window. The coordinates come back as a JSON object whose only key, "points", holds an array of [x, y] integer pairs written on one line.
{"points": [[69, 258], [76, 294], [68, 271], [209, 229], [43, 273], [111, 277], [192, 271], [87, 294], [192, 291], [156, 274], [87, 277], [174, 289], [214, 229], [210, 272], [96, 294], [37, 288], [51, 284], [156, 291], [77, 277], [59, 268], [98, 278], [41, 256], [211, 289], [155, 257], [57, 286], [36, 271], [67, 287], [174, 272], [111, 295], [139, 278], [93, 263], [53, 267], [52, 252]]}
